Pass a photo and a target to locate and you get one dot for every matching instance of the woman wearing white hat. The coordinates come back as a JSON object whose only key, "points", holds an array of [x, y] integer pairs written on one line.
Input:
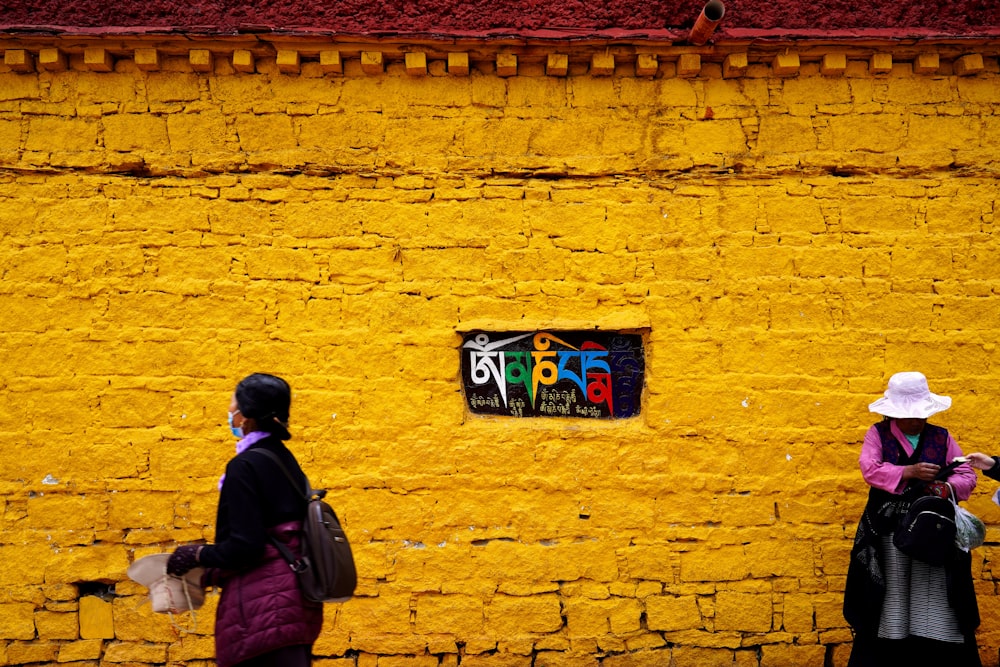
{"points": [[905, 611]]}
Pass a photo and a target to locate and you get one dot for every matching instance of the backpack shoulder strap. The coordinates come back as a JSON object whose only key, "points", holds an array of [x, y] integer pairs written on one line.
{"points": [[297, 564], [274, 457]]}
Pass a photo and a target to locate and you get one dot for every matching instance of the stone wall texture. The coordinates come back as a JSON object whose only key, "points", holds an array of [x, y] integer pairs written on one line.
{"points": [[784, 239]]}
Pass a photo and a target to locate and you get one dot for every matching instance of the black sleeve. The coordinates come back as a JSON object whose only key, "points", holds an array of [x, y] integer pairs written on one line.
{"points": [[240, 509], [994, 472]]}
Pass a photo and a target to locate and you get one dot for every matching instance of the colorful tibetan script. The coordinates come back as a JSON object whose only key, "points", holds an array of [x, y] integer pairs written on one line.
{"points": [[554, 374]]}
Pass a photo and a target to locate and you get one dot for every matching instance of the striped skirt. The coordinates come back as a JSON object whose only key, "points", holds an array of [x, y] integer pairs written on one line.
{"points": [[916, 599]]}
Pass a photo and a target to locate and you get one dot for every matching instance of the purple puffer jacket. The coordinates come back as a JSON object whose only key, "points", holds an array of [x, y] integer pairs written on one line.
{"points": [[262, 609]]}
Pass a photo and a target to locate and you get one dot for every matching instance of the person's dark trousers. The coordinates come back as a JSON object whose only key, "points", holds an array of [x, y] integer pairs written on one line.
{"points": [[912, 651], [289, 656]]}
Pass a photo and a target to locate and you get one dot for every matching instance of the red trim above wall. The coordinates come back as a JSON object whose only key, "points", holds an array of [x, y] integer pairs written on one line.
{"points": [[614, 19]]}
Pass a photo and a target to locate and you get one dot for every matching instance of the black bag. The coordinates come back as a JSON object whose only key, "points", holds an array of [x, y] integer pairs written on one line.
{"points": [[325, 570], [927, 530]]}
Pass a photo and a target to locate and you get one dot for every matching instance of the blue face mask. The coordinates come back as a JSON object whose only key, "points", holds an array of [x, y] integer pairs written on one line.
{"points": [[237, 430]]}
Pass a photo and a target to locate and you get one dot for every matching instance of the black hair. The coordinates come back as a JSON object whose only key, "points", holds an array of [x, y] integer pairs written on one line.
{"points": [[267, 400]]}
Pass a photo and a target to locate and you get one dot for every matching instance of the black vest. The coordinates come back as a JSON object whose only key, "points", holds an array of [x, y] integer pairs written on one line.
{"points": [[931, 448]]}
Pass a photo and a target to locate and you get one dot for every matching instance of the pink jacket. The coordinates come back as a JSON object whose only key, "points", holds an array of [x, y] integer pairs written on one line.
{"points": [[889, 477]]}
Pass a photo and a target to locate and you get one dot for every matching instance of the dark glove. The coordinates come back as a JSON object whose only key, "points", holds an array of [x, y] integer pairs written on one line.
{"points": [[183, 559]]}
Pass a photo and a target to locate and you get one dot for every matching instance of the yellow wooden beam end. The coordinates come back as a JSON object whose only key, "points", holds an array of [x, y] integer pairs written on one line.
{"points": [[833, 64], [288, 61], [880, 63], [557, 64], [243, 61], [688, 65], [52, 60], [786, 64], [735, 64], [926, 63], [147, 60], [458, 64], [970, 64], [646, 64], [18, 60], [330, 62], [372, 62], [506, 64], [200, 59], [97, 59], [602, 64], [416, 63]]}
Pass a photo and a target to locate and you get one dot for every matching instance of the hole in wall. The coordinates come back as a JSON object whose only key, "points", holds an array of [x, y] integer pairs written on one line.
{"points": [[101, 589]]}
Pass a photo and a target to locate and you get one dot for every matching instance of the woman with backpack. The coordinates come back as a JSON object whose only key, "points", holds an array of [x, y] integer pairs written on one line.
{"points": [[262, 619], [904, 610]]}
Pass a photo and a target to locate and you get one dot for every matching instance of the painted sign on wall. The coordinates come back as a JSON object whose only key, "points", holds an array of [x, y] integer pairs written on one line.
{"points": [[553, 374]]}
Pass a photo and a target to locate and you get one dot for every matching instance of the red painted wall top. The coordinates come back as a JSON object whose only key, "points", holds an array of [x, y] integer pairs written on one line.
{"points": [[493, 18]]}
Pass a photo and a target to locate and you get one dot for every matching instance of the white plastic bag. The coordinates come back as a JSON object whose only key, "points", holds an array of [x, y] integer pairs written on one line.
{"points": [[970, 532]]}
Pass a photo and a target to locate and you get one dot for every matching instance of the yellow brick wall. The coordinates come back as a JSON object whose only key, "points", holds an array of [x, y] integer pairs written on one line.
{"points": [[783, 243]]}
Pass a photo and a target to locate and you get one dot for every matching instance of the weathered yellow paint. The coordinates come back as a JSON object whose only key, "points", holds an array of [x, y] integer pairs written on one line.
{"points": [[786, 230], [96, 619]]}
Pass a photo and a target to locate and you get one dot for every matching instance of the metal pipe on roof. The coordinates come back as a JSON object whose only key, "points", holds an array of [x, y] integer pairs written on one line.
{"points": [[704, 26]]}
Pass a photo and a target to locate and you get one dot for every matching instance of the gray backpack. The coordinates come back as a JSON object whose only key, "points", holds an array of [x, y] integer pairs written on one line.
{"points": [[325, 568]]}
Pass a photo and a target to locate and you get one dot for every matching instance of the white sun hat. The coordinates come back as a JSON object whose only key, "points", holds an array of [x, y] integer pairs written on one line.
{"points": [[908, 396], [168, 594]]}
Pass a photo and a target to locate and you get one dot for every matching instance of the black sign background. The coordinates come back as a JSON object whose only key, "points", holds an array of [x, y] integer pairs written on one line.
{"points": [[593, 374]]}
